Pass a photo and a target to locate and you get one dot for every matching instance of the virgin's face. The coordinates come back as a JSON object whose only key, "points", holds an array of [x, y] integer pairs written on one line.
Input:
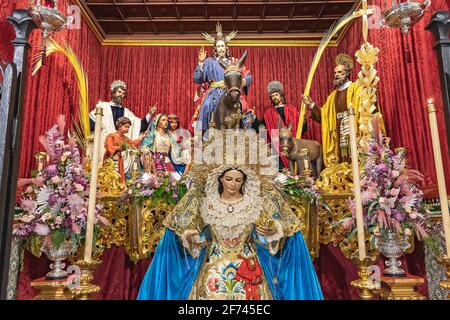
{"points": [[162, 123], [232, 182]]}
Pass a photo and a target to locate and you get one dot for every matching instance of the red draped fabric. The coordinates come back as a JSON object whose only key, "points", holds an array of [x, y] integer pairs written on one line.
{"points": [[164, 75]]}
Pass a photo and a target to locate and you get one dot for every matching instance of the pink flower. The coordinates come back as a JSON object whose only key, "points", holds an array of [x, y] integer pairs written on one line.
{"points": [[75, 228], [211, 284], [395, 173], [78, 187], [65, 155], [394, 192], [413, 215], [45, 217], [58, 220], [41, 229], [29, 189], [28, 205], [382, 218], [56, 179]]}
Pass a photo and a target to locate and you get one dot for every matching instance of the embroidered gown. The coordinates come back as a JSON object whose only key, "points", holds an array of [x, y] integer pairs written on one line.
{"points": [[237, 263]]}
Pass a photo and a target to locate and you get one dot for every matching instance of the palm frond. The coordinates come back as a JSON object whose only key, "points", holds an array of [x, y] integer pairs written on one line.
{"points": [[53, 46], [312, 70]]}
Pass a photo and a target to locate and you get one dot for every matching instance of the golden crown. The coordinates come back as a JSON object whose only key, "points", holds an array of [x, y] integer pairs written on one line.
{"points": [[238, 149]]}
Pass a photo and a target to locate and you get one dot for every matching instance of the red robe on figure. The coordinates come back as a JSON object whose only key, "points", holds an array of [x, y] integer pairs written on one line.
{"points": [[272, 118]]}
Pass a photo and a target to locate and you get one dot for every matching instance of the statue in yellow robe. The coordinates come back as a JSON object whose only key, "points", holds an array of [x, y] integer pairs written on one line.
{"points": [[333, 115]]}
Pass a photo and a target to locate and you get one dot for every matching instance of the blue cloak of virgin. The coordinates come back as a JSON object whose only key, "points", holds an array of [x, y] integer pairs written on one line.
{"points": [[172, 272]]}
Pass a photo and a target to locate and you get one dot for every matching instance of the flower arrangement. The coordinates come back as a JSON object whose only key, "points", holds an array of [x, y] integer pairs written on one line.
{"points": [[161, 187], [53, 206], [390, 192], [298, 187]]}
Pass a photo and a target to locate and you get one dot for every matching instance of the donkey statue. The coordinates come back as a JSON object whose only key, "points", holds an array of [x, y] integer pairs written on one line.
{"points": [[294, 150], [228, 113]]}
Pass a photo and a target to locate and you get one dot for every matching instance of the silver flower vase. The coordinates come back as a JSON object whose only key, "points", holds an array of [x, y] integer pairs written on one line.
{"points": [[57, 255], [392, 246]]}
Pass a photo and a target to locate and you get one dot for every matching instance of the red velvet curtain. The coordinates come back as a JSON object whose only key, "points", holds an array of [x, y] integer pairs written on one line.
{"points": [[164, 75]]}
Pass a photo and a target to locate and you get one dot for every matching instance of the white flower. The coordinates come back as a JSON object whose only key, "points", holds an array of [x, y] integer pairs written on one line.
{"points": [[281, 178], [78, 187], [407, 232], [42, 198], [176, 176], [26, 218], [41, 229]]}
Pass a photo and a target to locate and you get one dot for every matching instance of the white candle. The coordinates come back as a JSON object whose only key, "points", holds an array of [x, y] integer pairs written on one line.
{"points": [[93, 186], [439, 172], [356, 185]]}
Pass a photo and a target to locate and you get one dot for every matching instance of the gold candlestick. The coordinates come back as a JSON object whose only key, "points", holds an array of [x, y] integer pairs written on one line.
{"points": [[93, 187], [85, 288], [364, 284]]}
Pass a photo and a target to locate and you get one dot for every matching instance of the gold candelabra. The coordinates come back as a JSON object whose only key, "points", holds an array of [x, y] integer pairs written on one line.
{"points": [[84, 289], [364, 284]]}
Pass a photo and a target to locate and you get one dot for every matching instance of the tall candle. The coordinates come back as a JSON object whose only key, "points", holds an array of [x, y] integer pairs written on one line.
{"points": [[93, 186], [356, 185], [439, 173]]}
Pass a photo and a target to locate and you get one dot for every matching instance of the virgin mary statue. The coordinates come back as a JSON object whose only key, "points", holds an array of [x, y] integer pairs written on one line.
{"points": [[232, 236]]}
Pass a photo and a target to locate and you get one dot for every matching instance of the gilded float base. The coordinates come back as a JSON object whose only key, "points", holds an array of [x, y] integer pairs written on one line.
{"points": [[51, 289], [401, 288]]}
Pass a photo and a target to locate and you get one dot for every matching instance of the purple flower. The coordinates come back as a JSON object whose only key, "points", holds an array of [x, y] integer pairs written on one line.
{"points": [[147, 193], [398, 215], [24, 230], [51, 170], [382, 168], [53, 199]]}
